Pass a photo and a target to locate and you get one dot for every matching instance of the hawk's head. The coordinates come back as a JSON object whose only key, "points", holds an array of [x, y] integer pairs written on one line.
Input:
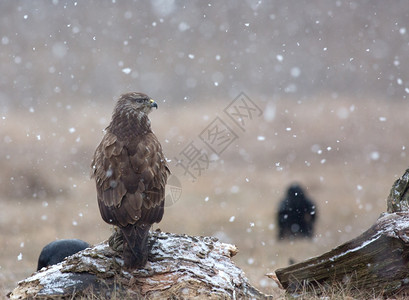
{"points": [[136, 102]]}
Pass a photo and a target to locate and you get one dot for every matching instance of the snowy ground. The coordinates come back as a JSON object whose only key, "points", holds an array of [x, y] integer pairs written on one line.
{"points": [[346, 152]]}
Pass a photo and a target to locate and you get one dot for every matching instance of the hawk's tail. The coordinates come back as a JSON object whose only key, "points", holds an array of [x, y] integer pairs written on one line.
{"points": [[135, 245]]}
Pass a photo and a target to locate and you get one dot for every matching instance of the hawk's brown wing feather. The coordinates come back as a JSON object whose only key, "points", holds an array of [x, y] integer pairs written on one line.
{"points": [[131, 179], [151, 163]]}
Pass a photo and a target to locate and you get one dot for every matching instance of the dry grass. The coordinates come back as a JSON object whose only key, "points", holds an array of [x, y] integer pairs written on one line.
{"points": [[46, 192]]}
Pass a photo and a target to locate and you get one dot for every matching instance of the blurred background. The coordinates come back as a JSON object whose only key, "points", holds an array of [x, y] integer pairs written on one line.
{"points": [[328, 82]]}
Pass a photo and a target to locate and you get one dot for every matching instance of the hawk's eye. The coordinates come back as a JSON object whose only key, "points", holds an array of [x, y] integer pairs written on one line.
{"points": [[139, 100]]}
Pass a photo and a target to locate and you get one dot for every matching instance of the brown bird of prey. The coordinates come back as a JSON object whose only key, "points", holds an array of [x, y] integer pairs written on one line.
{"points": [[130, 171]]}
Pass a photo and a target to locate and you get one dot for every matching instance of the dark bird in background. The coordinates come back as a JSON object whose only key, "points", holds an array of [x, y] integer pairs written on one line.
{"points": [[55, 252], [130, 172], [296, 214]]}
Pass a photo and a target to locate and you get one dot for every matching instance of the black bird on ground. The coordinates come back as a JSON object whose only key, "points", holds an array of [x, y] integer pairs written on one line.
{"points": [[55, 252], [296, 214]]}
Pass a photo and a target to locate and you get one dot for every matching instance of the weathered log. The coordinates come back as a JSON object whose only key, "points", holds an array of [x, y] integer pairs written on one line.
{"points": [[375, 262], [398, 199], [179, 267]]}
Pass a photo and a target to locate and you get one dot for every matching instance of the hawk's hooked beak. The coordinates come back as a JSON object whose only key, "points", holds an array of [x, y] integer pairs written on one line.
{"points": [[153, 103]]}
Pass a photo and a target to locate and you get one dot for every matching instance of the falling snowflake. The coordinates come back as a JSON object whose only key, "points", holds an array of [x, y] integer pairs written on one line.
{"points": [[127, 70]]}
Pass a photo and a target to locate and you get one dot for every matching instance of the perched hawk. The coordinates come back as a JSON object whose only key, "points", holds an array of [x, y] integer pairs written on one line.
{"points": [[130, 171]]}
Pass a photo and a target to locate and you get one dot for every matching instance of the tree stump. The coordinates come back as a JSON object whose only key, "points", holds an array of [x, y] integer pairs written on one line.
{"points": [[179, 267], [376, 262]]}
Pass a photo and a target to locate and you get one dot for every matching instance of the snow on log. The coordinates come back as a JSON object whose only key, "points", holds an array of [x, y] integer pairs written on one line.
{"points": [[179, 267], [377, 261]]}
